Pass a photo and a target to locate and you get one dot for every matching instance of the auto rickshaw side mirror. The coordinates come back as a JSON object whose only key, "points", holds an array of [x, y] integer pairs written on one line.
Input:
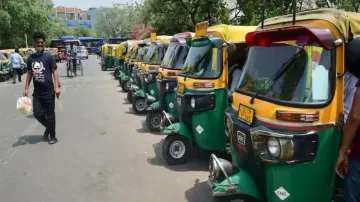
{"points": [[231, 48]]}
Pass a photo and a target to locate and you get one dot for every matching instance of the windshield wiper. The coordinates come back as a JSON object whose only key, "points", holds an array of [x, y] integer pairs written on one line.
{"points": [[196, 63], [278, 74]]}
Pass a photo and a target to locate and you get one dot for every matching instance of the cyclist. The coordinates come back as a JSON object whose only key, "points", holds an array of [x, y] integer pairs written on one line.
{"points": [[72, 54]]}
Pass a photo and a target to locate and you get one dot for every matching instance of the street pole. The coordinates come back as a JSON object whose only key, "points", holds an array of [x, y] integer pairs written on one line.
{"points": [[26, 41]]}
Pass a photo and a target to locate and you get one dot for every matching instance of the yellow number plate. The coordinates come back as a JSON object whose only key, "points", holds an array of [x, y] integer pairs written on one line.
{"points": [[246, 114], [181, 87]]}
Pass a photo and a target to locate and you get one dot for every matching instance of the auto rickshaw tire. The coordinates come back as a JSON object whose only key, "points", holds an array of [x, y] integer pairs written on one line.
{"points": [[135, 102], [123, 86], [235, 198], [129, 96], [103, 68], [150, 118], [169, 140]]}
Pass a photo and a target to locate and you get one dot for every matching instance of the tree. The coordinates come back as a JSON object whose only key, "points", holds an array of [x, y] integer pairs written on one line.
{"points": [[174, 16], [116, 21], [20, 17]]}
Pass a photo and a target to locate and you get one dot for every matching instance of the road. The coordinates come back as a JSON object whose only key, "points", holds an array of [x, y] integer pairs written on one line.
{"points": [[104, 153]]}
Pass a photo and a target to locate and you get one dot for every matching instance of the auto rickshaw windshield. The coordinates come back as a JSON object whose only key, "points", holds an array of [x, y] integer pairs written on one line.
{"points": [[2, 57], [290, 73], [203, 61], [141, 53], [175, 56], [153, 54]]}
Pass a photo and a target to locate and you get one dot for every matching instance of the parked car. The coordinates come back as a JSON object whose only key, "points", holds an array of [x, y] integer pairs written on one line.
{"points": [[82, 52]]}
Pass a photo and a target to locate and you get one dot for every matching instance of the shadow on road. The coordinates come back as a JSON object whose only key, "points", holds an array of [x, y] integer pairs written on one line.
{"points": [[199, 192], [28, 139], [131, 111], [197, 163], [144, 129]]}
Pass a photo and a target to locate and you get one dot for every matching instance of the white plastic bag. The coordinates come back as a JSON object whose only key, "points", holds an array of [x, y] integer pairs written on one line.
{"points": [[24, 105]]}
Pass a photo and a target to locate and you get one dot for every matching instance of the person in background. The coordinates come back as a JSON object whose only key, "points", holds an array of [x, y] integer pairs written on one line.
{"points": [[16, 62], [42, 69]]}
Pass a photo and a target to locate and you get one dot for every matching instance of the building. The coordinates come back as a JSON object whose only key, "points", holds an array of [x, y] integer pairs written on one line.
{"points": [[71, 17], [93, 12]]}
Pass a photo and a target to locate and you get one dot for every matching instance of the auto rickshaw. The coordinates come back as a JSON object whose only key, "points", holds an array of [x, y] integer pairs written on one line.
{"points": [[166, 81], [129, 44], [5, 73], [203, 91], [103, 52], [137, 56], [286, 121], [110, 57], [147, 83], [120, 57]]}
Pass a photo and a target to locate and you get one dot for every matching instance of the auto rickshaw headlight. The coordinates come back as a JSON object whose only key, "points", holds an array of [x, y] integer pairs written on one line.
{"points": [[167, 86], [281, 148], [149, 77], [229, 124], [273, 146], [192, 102]]}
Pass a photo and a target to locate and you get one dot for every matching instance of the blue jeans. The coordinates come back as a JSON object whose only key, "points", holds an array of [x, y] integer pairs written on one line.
{"points": [[352, 182]]}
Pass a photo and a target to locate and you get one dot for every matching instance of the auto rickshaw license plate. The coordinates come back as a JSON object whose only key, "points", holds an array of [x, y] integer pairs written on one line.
{"points": [[246, 114], [181, 87]]}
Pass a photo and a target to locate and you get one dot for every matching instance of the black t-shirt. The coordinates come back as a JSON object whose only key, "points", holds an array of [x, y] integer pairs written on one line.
{"points": [[41, 67]]}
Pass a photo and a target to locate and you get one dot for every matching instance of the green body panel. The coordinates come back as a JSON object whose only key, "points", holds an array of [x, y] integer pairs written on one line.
{"points": [[109, 62], [212, 137], [311, 182], [153, 90], [140, 93], [124, 77], [179, 128], [170, 105], [157, 105]]}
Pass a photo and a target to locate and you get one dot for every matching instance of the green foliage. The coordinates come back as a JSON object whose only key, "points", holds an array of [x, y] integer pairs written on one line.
{"points": [[116, 21], [20, 17]]}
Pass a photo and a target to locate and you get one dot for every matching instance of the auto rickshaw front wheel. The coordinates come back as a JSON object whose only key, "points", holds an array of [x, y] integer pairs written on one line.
{"points": [[153, 121], [125, 85], [176, 149], [139, 105], [129, 96], [103, 67]]}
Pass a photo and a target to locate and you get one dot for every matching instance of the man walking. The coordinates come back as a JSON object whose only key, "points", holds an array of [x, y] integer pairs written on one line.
{"points": [[16, 61], [41, 68]]}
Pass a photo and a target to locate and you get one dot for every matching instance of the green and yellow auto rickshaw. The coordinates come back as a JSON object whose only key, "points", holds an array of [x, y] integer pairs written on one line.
{"points": [[120, 60], [150, 66], [103, 52], [203, 91], [286, 117], [166, 81], [130, 44], [5, 72], [109, 58], [137, 55]]}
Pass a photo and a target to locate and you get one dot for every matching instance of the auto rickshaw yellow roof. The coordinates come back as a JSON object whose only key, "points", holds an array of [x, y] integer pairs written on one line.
{"points": [[230, 33], [346, 22], [164, 38]]}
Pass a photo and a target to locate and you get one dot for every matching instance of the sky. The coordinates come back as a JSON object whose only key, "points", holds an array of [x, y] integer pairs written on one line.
{"points": [[86, 4]]}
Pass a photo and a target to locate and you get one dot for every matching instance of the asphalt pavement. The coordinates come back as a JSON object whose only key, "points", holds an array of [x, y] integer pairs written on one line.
{"points": [[104, 153]]}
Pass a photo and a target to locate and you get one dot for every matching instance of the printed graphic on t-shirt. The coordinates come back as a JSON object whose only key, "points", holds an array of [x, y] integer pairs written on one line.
{"points": [[38, 71]]}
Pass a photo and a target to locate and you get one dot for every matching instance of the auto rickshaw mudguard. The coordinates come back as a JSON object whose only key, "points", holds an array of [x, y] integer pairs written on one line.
{"points": [[125, 78], [244, 185], [179, 128], [156, 106], [140, 93]]}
